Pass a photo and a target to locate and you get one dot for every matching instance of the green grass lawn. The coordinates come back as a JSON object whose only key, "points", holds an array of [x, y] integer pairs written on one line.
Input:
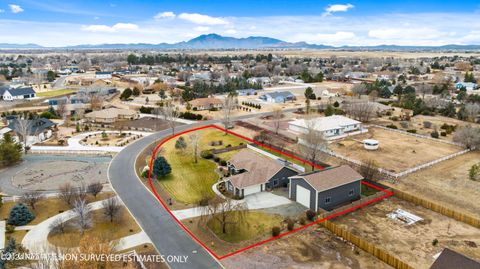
{"points": [[256, 224], [54, 93], [190, 181]]}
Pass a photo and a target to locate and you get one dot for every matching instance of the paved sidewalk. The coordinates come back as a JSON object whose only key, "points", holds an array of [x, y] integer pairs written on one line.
{"points": [[132, 241], [254, 201]]}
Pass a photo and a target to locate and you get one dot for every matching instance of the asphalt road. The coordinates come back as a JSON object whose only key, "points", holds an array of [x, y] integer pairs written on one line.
{"points": [[167, 236]]}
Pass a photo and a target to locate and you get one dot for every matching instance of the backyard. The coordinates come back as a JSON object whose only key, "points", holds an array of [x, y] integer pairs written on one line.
{"points": [[189, 182], [415, 244], [451, 175], [397, 152]]}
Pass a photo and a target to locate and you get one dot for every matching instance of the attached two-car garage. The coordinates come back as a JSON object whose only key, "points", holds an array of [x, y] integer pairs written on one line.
{"points": [[252, 189]]}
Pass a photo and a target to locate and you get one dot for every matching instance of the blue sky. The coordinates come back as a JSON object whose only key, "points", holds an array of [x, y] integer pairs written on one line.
{"points": [[59, 23]]}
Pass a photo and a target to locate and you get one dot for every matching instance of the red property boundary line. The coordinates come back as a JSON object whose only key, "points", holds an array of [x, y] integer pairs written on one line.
{"points": [[387, 193]]}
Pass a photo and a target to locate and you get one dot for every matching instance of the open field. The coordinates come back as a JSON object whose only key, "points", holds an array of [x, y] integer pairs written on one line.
{"points": [[125, 225], [448, 183], [411, 243], [50, 94], [189, 181], [310, 248], [397, 152]]}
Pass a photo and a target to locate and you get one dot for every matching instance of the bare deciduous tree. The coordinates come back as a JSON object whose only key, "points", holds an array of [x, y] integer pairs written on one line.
{"points": [[277, 119], [194, 139], [23, 128], [227, 107], [170, 113], [369, 169], [95, 188], [424, 89], [111, 208], [312, 142], [362, 111], [227, 212], [58, 226], [67, 193], [31, 198], [83, 214], [472, 110], [468, 136], [359, 89], [96, 101]]}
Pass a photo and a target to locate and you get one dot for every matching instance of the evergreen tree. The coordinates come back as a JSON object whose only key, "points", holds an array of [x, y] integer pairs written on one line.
{"points": [[180, 143], [161, 167], [10, 151], [20, 215], [329, 111]]}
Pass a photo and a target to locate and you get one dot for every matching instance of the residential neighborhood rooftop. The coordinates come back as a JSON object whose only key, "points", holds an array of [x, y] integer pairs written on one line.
{"points": [[325, 123], [330, 178]]}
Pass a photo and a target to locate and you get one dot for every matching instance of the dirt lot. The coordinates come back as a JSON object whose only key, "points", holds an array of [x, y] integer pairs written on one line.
{"points": [[147, 122], [448, 182], [412, 243], [397, 152], [311, 248]]}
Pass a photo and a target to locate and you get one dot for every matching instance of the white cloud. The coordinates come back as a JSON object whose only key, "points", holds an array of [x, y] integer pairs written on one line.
{"points": [[110, 29], [231, 31], [164, 15], [202, 19], [411, 32], [201, 28], [338, 8], [15, 8]]}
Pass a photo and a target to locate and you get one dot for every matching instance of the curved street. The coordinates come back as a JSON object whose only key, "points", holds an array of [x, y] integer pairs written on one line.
{"points": [[167, 236]]}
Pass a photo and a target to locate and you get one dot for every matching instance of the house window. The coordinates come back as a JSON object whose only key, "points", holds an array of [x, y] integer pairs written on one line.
{"points": [[351, 192], [275, 182], [328, 200]]}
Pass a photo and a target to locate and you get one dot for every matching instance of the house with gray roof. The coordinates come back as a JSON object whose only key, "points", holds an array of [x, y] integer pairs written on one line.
{"points": [[10, 94], [278, 97]]}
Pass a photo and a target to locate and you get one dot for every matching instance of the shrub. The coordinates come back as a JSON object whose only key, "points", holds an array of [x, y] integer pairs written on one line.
{"points": [[161, 167], [275, 231], [9, 229], [310, 214], [394, 118], [206, 154], [336, 104], [223, 163], [427, 124], [392, 126], [404, 124], [20, 215], [435, 242], [216, 159], [302, 221], [145, 174], [228, 146], [413, 131], [290, 224], [434, 134], [443, 133]]}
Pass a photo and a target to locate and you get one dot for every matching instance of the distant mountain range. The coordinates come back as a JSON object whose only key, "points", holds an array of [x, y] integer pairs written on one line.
{"points": [[214, 41]]}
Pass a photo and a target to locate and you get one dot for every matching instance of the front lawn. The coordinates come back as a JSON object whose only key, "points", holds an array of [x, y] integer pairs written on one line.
{"points": [[50, 94], [256, 224], [189, 182]]}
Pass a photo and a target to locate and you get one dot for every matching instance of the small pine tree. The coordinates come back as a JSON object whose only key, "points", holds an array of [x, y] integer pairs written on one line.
{"points": [[329, 111], [161, 167], [20, 215]]}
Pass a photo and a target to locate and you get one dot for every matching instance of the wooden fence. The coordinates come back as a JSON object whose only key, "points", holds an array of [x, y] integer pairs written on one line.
{"points": [[428, 204], [371, 248]]}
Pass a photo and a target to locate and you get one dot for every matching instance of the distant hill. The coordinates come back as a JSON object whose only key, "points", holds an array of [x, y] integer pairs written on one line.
{"points": [[215, 41]]}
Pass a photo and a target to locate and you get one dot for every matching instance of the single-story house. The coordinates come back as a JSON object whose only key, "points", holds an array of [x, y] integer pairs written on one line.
{"points": [[103, 75], [450, 259], [206, 103], [326, 189], [469, 86], [38, 130], [330, 127], [246, 92], [111, 115], [10, 94], [278, 97], [252, 172]]}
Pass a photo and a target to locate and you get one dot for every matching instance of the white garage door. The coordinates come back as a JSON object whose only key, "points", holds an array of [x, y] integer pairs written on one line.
{"points": [[251, 190], [303, 196]]}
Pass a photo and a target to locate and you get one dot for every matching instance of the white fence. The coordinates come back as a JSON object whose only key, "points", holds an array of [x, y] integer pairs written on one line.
{"points": [[283, 161]]}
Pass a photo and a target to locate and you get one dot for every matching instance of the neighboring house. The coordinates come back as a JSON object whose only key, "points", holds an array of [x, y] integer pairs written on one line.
{"points": [[264, 81], [450, 259], [111, 115], [103, 75], [331, 126], [252, 173], [278, 97], [38, 129], [206, 103], [469, 86], [10, 94], [247, 92], [326, 189]]}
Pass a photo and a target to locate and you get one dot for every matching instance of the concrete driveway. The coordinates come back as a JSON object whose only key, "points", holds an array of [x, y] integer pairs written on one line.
{"points": [[258, 200]]}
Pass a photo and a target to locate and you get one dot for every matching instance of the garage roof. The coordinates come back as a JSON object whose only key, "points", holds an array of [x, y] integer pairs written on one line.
{"points": [[322, 180]]}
